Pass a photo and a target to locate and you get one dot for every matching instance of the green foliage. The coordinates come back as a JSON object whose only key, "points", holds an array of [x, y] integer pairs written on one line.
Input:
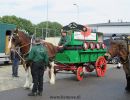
{"points": [[53, 28], [39, 29], [19, 22]]}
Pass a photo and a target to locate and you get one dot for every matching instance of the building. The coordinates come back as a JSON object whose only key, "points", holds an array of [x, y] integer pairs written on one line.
{"points": [[110, 28]]}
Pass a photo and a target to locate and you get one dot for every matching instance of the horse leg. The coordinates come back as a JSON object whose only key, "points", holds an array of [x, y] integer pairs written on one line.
{"points": [[28, 84], [128, 83], [127, 72], [51, 73]]}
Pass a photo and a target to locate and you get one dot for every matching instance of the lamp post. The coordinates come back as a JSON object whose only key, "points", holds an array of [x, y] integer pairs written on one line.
{"points": [[77, 6], [47, 19]]}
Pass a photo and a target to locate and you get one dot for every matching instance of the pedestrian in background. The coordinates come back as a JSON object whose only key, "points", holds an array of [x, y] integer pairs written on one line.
{"points": [[15, 62]]}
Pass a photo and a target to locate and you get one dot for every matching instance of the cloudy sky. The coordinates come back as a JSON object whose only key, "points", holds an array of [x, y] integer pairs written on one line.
{"points": [[64, 12]]}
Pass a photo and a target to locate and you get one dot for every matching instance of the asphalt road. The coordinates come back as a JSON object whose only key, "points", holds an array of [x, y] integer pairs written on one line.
{"points": [[110, 87]]}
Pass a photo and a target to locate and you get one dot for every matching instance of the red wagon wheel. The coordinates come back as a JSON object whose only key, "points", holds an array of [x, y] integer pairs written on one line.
{"points": [[101, 65], [79, 73]]}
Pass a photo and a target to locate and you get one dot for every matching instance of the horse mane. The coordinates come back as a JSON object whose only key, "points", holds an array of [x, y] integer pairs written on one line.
{"points": [[24, 31]]}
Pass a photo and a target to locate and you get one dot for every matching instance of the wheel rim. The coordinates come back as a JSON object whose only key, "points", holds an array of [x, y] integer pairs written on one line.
{"points": [[80, 73], [101, 66]]}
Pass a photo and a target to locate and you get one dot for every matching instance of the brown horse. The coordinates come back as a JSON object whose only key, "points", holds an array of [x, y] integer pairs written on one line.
{"points": [[121, 49], [22, 41]]}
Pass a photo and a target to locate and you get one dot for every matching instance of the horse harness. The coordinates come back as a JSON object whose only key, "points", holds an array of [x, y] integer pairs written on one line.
{"points": [[19, 47]]}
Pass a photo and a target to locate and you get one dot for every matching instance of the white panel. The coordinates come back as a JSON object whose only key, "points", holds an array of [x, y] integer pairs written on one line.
{"points": [[79, 36]]}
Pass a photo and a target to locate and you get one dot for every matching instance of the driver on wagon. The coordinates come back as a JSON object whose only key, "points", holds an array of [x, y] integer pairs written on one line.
{"points": [[64, 41]]}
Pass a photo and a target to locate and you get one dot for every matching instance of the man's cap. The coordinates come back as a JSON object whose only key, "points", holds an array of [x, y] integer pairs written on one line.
{"points": [[37, 41]]}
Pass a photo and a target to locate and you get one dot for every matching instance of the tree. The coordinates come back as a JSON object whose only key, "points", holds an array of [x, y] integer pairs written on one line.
{"points": [[40, 29], [53, 28], [19, 22]]}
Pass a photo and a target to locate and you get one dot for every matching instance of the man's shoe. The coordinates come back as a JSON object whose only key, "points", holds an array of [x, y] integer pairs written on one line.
{"points": [[12, 75], [16, 76], [32, 94], [40, 93]]}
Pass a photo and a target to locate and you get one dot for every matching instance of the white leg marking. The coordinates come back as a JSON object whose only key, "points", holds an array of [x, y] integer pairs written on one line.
{"points": [[52, 79], [26, 85]]}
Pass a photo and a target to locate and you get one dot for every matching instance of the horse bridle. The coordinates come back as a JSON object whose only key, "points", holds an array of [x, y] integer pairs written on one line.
{"points": [[19, 47]]}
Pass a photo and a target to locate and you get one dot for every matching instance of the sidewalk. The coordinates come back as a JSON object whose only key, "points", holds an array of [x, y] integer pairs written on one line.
{"points": [[8, 82]]}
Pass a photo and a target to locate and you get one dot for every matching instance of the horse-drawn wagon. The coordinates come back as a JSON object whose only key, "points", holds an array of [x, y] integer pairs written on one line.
{"points": [[84, 51]]}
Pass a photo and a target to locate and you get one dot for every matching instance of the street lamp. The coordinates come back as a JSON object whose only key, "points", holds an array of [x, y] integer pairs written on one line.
{"points": [[47, 19], [77, 6]]}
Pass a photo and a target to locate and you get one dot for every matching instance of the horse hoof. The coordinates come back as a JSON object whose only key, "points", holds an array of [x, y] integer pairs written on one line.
{"points": [[118, 67], [52, 83]]}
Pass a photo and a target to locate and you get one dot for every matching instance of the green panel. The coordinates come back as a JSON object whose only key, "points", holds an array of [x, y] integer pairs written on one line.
{"points": [[93, 57], [76, 42], [3, 28], [68, 56], [95, 50], [79, 56], [61, 57], [84, 57], [101, 54]]}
